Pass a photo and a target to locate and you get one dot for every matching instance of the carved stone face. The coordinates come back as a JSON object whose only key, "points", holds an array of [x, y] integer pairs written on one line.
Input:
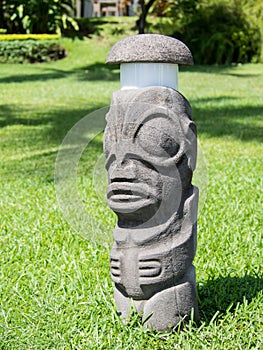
{"points": [[150, 148]]}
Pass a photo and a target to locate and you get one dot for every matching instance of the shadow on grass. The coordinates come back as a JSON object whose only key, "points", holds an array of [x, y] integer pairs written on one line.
{"points": [[43, 134], [56, 123], [239, 122], [98, 72], [60, 120], [234, 121], [22, 78], [223, 294], [94, 72], [222, 70]]}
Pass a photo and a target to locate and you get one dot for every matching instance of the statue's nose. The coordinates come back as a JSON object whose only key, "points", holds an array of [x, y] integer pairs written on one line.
{"points": [[124, 170]]}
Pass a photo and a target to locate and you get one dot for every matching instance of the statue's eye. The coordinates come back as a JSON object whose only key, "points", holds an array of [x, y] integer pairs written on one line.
{"points": [[158, 136]]}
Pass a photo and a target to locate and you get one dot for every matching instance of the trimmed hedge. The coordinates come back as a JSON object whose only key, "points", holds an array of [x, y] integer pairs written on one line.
{"points": [[30, 51], [29, 36]]}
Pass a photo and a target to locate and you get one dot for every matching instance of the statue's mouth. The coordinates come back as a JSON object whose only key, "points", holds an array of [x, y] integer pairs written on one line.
{"points": [[128, 196]]}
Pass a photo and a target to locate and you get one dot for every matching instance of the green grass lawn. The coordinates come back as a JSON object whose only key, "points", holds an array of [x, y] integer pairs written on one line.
{"points": [[55, 287]]}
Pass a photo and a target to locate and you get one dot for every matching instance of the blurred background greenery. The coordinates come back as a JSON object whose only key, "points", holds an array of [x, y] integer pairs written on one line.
{"points": [[216, 31]]}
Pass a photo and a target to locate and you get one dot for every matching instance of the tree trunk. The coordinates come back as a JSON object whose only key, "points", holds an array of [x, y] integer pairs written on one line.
{"points": [[82, 8], [141, 22], [2, 24]]}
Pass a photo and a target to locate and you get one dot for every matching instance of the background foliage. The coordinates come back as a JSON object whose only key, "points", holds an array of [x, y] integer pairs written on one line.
{"points": [[36, 16], [216, 31], [219, 32]]}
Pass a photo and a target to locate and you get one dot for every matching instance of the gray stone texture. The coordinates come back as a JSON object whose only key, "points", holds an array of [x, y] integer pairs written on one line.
{"points": [[150, 48], [150, 147]]}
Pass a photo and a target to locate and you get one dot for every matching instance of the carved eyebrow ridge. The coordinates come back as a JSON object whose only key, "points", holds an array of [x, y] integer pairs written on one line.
{"points": [[148, 118]]}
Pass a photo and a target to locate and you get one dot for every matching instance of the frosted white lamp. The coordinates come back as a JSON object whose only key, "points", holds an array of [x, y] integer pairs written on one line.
{"points": [[143, 74]]}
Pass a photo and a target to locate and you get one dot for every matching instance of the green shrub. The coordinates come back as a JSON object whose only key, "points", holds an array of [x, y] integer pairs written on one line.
{"points": [[86, 27], [221, 33], [32, 51]]}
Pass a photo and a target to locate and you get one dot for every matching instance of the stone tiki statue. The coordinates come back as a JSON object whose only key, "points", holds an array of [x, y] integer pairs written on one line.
{"points": [[150, 148]]}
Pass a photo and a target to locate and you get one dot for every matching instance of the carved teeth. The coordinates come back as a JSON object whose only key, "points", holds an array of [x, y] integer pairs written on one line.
{"points": [[125, 198], [126, 190]]}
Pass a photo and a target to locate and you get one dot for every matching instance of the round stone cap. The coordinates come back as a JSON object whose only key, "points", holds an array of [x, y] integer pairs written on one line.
{"points": [[150, 48]]}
